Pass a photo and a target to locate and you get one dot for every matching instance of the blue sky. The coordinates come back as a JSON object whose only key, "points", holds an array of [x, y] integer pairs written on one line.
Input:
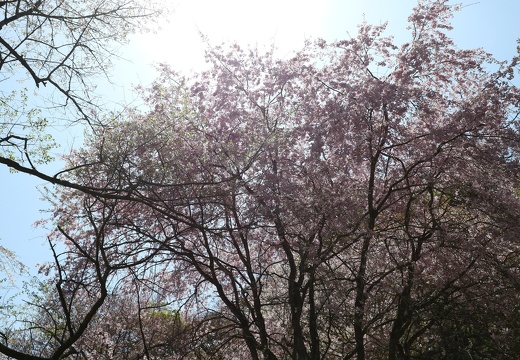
{"points": [[491, 24]]}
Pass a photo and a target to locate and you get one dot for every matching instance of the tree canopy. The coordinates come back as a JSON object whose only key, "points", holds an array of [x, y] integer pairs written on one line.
{"points": [[63, 46], [357, 200]]}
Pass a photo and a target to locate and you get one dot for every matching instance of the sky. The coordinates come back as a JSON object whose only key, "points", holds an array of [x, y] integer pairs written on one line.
{"points": [[491, 24]]}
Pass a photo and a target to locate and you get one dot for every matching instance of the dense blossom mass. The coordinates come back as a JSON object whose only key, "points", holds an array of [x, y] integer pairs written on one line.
{"points": [[358, 200]]}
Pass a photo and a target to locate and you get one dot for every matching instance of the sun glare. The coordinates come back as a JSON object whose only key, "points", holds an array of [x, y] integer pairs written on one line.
{"points": [[284, 24]]}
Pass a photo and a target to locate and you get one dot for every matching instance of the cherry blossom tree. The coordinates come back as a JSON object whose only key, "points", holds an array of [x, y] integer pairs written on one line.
{"points": [[60, 45], [359, 200]]}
